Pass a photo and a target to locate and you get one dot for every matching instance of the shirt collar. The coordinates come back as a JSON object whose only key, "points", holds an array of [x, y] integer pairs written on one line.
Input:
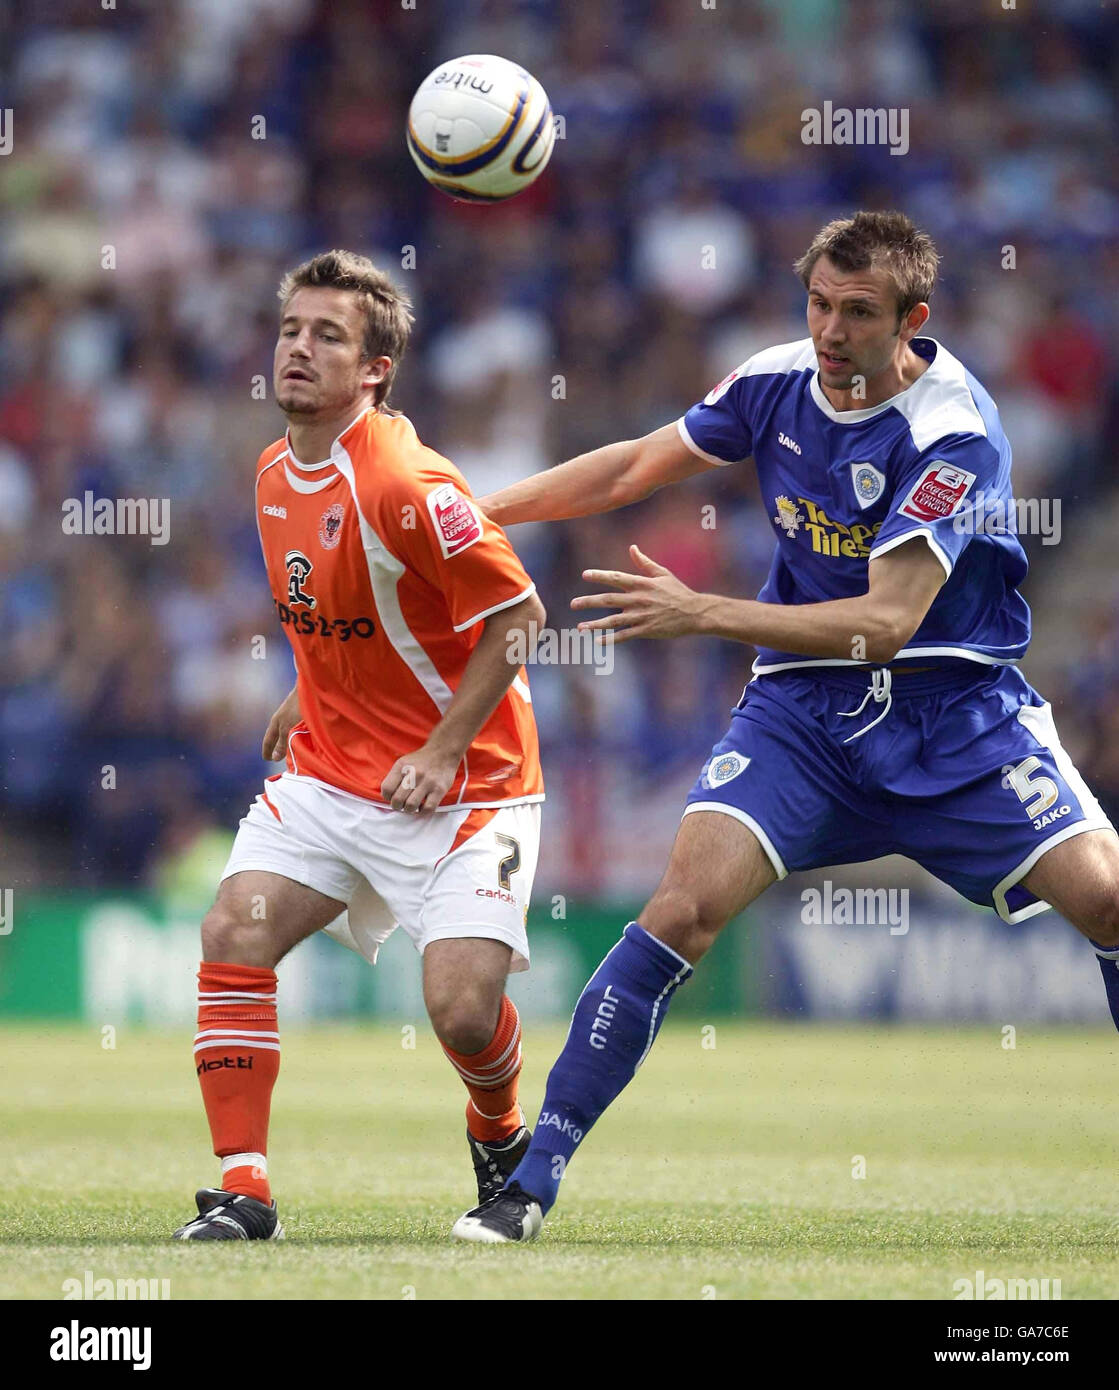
{"points": [[854, 417], [334, 448]]}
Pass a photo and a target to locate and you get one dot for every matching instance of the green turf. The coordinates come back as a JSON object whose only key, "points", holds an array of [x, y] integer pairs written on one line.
{"points": [[722, 1172]]}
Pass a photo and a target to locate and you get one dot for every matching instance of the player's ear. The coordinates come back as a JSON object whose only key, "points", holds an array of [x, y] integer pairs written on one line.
{"points": [[374, 370], [913, 321]]}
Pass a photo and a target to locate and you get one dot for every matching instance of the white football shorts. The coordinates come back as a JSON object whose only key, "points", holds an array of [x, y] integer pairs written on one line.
{"points": [[446, 874]]}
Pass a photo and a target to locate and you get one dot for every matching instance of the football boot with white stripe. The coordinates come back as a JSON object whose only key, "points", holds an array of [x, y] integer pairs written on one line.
{"points": [[511, 1215], [231, 1216]]}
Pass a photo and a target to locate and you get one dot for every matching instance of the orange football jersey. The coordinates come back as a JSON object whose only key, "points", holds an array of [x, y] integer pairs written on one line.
{"points": [[382, 570]]}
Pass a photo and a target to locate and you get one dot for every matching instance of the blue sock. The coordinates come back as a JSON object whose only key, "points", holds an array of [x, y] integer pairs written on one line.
{"points": [[614, 1024], [1109, 966]]}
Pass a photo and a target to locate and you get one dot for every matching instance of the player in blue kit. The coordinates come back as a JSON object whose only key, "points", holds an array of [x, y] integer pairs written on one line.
{"points": [[885, 714]]}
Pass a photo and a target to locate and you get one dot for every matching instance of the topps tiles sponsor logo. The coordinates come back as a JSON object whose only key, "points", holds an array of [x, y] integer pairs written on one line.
{"points": [[118, 516], [828, 537], [866, 125], [77, 1343]]}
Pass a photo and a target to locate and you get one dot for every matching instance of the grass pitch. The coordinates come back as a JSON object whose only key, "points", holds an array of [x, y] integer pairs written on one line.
{"points": [[722, 1172]]}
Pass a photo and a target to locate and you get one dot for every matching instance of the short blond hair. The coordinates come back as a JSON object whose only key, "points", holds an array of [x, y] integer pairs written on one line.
{"points": [[387, 309]]}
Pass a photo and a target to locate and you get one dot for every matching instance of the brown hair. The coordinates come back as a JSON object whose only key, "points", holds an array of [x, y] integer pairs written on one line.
{"points": [[387, 310], [878, 240]]}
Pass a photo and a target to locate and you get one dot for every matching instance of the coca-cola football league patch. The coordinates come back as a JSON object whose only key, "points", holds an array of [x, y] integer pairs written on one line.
{"points": [[717, 392], [456, 522], [938, 493]]}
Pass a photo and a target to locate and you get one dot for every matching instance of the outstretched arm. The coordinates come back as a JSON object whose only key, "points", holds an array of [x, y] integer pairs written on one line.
{"points": [[613, 476], [872, 627]]}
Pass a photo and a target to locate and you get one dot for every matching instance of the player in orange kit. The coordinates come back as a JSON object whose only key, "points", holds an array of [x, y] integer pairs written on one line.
{"points": [[412, 787]]}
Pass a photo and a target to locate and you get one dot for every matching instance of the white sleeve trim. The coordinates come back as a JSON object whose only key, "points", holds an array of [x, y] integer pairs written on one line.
{"points": [[488, 612], [934, 546], [682, 431]]}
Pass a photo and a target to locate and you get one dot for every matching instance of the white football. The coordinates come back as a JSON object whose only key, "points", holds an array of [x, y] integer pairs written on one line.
{"points": [[480, 128]]}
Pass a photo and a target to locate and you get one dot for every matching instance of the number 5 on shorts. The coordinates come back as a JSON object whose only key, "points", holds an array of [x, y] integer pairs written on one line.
{"points": [[1021, 780]]}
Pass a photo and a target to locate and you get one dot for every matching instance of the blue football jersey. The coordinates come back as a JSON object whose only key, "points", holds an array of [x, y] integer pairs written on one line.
{"points": [[932, 462]]}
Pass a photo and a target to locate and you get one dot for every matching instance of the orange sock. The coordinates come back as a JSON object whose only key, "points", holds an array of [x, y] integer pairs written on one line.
{"points": [[237, 1057], [491, 1077]]}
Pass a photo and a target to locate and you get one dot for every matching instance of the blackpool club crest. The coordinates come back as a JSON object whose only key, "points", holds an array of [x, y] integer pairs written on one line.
{"points": [[330, 526]]}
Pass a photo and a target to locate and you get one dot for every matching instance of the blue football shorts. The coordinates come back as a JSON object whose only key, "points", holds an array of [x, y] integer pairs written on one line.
{"points": [[957, 768]]}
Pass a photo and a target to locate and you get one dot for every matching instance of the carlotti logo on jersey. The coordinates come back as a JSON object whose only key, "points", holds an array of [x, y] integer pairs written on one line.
{"points": [[456, 523], [938, 493]]}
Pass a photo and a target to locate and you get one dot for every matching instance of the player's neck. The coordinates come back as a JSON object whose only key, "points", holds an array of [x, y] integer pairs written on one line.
{"points": [[897, 377], [311, 440]]}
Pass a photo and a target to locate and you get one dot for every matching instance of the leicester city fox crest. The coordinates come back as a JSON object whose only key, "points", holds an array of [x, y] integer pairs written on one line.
{"points": [[724, 767], [867, 482], [298, 568]]}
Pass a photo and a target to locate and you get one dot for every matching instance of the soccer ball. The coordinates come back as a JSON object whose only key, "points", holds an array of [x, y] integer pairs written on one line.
{"points": [[480, 128]]}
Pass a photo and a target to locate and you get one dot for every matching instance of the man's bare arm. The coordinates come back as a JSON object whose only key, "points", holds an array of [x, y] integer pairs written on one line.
{"points": [[613, 476], [275, 745], [420, 780], [875, 626]]}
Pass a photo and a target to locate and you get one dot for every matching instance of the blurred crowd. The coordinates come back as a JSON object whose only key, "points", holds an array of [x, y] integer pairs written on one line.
{"points": [[170, 159]]}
